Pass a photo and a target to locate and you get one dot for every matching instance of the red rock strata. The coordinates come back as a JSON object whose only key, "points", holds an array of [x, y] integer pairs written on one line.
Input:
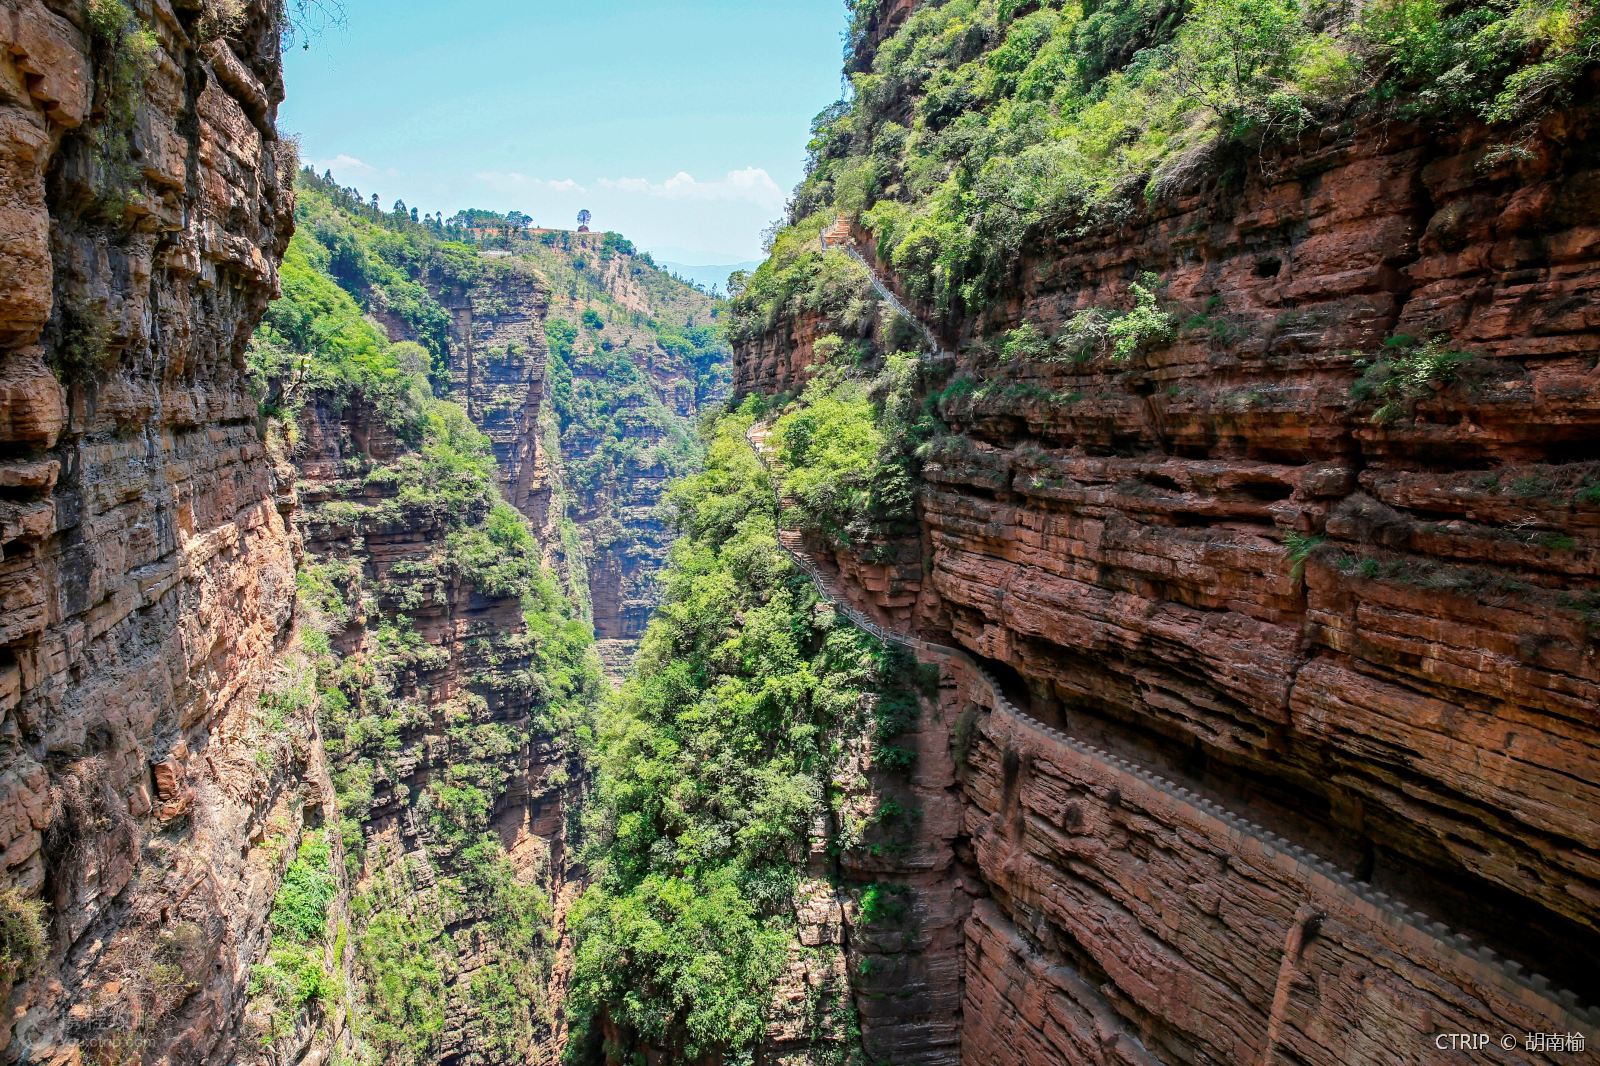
{"points": [[147, 579], [1374, 635]]}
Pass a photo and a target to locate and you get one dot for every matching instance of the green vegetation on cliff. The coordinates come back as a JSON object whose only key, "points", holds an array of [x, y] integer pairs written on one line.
{"points": [[713, 762], [474, 701], [613, 315], [984, 127], [612, 421], [315, 341], [799, 278], [846, 447], [633, 356], [395, 267], [297, 975]]}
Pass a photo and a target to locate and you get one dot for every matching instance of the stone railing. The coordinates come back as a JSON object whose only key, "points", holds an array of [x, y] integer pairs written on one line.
{"points": [[1427, 937]]}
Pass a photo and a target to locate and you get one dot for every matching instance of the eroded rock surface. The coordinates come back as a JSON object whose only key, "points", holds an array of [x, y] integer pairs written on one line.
{"points": [[455, 787], [147, 581], [1369, 630]]}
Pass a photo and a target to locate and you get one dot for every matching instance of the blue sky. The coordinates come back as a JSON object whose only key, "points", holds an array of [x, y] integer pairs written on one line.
{"points": [[681, 125]]}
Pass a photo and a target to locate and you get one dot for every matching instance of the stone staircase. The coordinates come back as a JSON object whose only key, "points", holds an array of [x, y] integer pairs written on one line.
{"points": [[840, 236]]}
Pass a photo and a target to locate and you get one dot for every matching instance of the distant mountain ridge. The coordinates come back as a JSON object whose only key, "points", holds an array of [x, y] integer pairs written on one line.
{"points": [[710, 276]]}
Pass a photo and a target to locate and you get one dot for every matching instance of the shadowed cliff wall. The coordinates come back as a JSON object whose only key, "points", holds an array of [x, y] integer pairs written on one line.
{"points": [[148, 571]]}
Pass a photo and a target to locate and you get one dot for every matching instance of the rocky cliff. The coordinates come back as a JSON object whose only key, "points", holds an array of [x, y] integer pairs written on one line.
{"points": [[148, 572], [635, 357], [1366, 604], [1315, 548], [450, 742], [583, 362], [452, 678]]}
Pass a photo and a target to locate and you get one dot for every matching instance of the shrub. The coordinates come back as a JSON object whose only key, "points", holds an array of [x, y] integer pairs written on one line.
{"points": [[799, 276], [300, 909], [1407, 372], [1299, 547], [1144, 324], [1024, 342], [846, 448], [883, 903], [22, 935]]}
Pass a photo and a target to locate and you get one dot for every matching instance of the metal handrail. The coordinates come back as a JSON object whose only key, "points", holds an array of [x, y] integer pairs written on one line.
{"points": [[888, 294]]}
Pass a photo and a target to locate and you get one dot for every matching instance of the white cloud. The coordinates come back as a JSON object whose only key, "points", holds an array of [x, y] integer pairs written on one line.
{"points": [[513, 181], [752, 184], [345, 164]]}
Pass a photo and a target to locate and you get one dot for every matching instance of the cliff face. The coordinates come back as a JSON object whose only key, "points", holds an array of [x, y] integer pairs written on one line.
{"points": [[585, 364], [506, 386], [420, 386], [452, 771], [1128, 545], [634, 359], [148, 570], [1321, 552]]}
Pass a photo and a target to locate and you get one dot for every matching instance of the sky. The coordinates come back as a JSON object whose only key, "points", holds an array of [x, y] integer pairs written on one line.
{"points": [[681, 125]]}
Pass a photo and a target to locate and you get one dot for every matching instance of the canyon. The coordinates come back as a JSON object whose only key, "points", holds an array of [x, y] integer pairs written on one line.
{"points": [[1202, 666], [248, 651]]}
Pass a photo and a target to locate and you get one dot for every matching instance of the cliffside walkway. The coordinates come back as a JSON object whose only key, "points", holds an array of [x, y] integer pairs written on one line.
{"points": [[1319, 879], [838, 236]]}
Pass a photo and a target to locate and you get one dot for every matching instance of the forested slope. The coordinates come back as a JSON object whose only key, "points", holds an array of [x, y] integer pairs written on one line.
{"points": [[478, 431], [453, 682], [760, 814], [585, 364]]}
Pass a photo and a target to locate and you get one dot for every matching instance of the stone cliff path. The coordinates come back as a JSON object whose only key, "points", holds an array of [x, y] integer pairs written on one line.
{"points": [[1321, 879], [839, 236]]}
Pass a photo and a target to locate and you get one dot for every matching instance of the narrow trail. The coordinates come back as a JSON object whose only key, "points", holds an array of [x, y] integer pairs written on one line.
{"points": [[840, 239], [1318, 877]]}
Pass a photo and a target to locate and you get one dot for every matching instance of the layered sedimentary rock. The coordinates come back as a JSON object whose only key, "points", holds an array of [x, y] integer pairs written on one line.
{"points": [[1280, 955], [903, 954], [497, 369], [1363, 619], [586, 447], [148, 571], [500, 376], [453, 785], [1422, 673], [776, 362], [878, 913], [625, 430]]}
